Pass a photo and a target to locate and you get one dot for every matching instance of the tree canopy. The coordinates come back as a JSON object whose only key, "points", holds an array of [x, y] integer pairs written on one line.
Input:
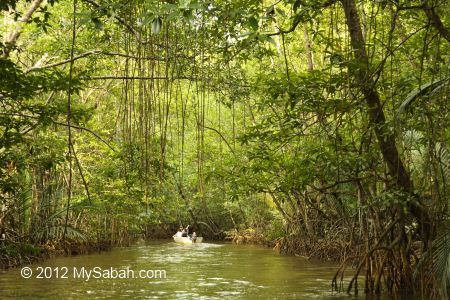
{"points": [[320, 127]]}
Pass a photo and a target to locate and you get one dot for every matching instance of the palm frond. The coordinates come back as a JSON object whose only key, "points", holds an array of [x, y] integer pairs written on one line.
{"points": [[427, 88], [434, 264]]}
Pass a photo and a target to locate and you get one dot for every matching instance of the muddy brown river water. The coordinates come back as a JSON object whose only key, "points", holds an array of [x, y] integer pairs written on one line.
{"points": [[165, 270]]}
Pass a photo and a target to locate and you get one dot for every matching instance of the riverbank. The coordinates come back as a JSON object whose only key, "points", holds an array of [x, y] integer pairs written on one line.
{"points": [[15, 255], [322, 250]]}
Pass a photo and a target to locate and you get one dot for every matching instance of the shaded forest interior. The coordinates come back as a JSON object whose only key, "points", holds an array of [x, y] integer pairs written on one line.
{"points": [[318, 127]]}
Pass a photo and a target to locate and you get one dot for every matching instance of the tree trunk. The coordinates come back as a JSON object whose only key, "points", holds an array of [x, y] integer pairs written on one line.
{"points": [[308, 49], [385, 136], [13, 37], [435, 20]]}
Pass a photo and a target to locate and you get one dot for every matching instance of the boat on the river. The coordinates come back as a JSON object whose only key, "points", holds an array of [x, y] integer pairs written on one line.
{"points": [[187, 240], [186, 236]]}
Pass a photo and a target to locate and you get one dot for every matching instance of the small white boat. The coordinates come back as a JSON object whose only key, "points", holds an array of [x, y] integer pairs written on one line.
{"points": [[187, 240]]}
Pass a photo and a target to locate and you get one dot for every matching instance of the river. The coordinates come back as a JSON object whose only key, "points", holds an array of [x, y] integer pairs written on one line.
{"points": [[199, 271]]}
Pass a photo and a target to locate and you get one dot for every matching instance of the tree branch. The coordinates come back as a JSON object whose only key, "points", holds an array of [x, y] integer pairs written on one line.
{"points": [[297, 19], [432, 16], [121, 21], [92, 52], [80, 169], [138, 77], [223, 138], [436, 21], [86, 54], [13, 37], [88, 130], [63, 124]]}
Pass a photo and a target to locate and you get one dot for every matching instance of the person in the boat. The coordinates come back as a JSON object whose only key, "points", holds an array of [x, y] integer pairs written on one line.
{"points": [[189, 230], [184, 233], [179, 232]]}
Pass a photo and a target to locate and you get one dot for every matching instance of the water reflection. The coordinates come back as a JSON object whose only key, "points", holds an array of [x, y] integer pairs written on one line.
{"points": [[198, 271]]}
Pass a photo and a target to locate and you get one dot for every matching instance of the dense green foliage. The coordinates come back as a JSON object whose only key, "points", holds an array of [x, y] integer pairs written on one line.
{"points": [[319, 127]]}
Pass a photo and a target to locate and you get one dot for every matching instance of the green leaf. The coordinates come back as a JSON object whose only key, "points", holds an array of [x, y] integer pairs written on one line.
{"points": [[296, 5], [156, 25], [280, 12], [253, 23], [270, 10], [267, 38], [98, 24], [420, 91]]}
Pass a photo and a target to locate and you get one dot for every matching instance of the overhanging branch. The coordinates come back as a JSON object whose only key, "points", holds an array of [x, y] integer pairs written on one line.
{"points": [[223, 138], [124, 23], [297, 19], [436, 22], [93, 52], [139, 78], [13, 37], [63, 124]]}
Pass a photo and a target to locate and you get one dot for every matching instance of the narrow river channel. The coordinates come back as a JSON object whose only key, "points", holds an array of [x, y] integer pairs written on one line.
{"points": [[201, 271]]}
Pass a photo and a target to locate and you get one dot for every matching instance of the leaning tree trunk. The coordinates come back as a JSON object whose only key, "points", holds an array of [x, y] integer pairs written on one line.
{"points": [[386, 141], [11, 41]]}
